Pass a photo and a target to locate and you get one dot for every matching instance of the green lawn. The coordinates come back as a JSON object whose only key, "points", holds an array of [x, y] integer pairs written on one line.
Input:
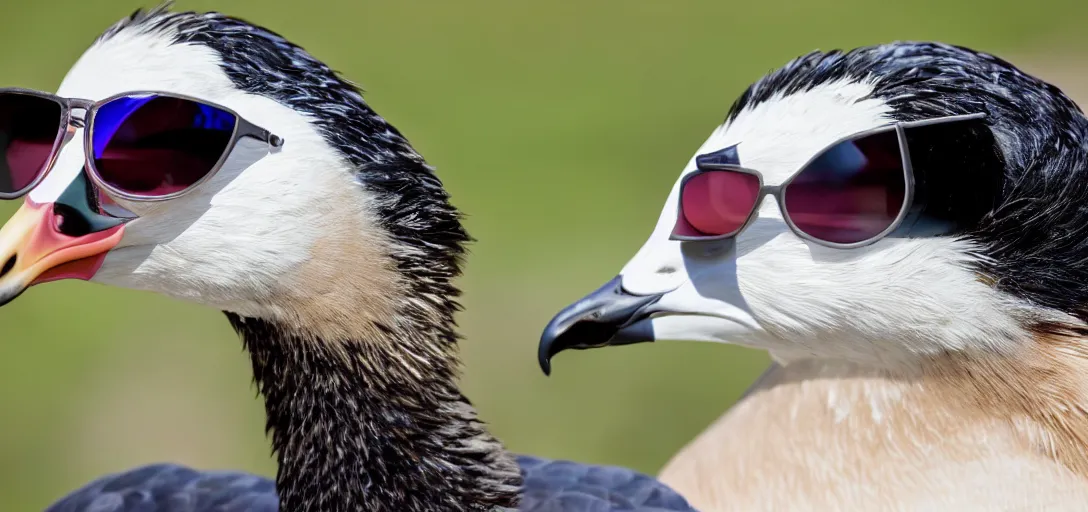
{"points": [[559, 127]]}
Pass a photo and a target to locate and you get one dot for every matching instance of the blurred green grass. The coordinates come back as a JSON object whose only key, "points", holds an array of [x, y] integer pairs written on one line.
{"points": [[558, 127]]}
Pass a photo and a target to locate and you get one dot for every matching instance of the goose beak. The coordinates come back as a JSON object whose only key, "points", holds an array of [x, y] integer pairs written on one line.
{"points": [[608, 316], [670, 290], [45, 242]]}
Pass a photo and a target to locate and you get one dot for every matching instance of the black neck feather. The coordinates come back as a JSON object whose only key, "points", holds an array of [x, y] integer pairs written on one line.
{"points": [[357, 427]]}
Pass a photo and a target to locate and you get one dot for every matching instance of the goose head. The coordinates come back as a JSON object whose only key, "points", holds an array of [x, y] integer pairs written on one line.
{"points": [[993, 267], [324, 234]]}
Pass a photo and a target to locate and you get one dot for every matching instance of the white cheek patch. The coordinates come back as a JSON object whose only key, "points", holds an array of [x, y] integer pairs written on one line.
{"points": [[894, 300], [225, 243], [163, 221]]}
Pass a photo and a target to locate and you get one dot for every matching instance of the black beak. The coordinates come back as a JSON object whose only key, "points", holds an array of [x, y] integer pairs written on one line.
{"points": [[599, 319]]}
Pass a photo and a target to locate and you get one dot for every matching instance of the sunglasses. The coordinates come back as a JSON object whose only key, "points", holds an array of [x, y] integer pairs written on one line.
{"points": [[140, 146], [853, 193]]}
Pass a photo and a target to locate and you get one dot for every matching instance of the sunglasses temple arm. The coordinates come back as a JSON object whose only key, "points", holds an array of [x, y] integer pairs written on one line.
{"points": [[245, 129]]}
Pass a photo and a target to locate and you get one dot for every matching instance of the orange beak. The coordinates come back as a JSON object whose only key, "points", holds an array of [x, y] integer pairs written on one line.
{"points": [[41, 243]]}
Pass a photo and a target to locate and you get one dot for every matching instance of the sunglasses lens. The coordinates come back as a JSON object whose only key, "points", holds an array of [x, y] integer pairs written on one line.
{"points": [[29, 130], [716, 203], [154, 146], [852, 192]]}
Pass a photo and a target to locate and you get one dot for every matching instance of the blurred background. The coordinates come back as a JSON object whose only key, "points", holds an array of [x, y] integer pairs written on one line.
{"points": [[559, 128]]}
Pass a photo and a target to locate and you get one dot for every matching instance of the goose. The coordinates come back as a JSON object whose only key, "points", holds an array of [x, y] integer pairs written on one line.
{"points": [[203, 157], [901, 227]]}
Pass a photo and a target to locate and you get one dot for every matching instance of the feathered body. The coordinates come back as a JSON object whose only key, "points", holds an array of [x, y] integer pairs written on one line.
{"points": [[550, 486]]}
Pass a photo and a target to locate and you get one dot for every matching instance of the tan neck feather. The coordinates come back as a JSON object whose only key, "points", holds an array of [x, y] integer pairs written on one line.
{"points": [[349, 284], [1042, 392], [839, 435]]}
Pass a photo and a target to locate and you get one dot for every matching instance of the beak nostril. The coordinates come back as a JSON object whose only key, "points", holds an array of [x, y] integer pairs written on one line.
{"points": [[10, 264], [68, 221]]}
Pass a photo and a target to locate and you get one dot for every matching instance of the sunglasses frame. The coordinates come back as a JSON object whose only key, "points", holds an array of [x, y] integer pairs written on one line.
{"points": [[68, 124], [779, 191]]}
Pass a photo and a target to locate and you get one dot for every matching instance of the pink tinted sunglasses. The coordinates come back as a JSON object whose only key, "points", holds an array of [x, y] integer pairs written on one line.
{"points": [[851, 194]]}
